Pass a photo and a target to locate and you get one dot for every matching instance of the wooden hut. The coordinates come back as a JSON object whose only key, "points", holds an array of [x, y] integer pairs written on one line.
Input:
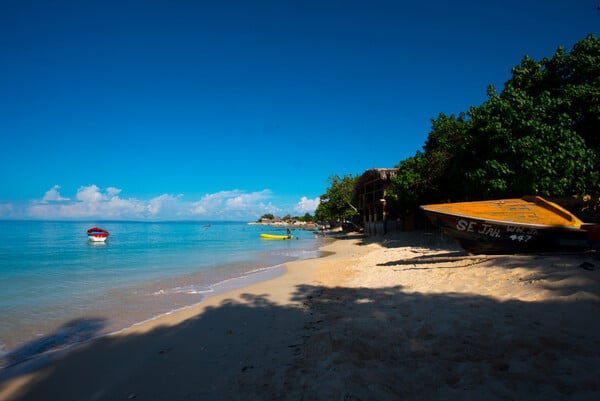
{"points": [[370, 190]]}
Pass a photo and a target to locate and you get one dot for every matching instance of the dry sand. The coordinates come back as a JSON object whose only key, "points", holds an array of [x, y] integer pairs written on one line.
{"points": [[407, 317]]}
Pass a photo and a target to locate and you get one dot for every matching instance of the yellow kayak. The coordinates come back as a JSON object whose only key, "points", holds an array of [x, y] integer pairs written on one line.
{"points": [[273, 236]]}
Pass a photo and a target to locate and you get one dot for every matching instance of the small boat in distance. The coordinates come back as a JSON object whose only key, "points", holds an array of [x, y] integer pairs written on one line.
{"points": [[508, 226], [275, 236], [97, 234]]}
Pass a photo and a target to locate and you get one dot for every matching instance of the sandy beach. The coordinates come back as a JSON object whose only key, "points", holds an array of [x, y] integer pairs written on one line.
{"points": [[405, 316]]}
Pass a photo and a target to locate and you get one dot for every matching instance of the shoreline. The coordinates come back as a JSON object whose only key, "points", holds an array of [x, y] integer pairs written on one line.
{"points": [[66, 288], [284, 276], [403, 316], [80, 330], [234, 288]]}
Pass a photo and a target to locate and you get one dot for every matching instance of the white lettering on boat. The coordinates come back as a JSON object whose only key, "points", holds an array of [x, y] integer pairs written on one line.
{"points": [[490, 230], [517, 233], [521, 230], [464, 225], [520, 237]]}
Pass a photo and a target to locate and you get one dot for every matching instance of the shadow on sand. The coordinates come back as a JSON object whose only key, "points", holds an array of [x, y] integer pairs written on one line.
{"points": [[350, 344], [71, 333], [346, 344]]}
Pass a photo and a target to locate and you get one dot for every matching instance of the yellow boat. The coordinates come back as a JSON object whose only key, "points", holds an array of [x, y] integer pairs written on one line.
{"points": [[274, 236], [529, 224]]}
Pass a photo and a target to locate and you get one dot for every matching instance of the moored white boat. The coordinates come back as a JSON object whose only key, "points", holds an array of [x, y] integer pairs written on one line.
{"points": [[97, 234]]}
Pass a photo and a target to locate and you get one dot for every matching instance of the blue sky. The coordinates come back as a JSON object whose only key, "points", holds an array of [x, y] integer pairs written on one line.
{"points": [[226, 110]]}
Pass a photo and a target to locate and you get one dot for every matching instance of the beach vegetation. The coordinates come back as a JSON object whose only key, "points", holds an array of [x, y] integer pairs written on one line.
{"points": [[539, 135], [307, 218], [266, 216], [288, 218], [336, 204]]}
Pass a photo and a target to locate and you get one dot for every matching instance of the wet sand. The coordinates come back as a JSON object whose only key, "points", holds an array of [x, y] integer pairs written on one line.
{"points": [[409, 316]]}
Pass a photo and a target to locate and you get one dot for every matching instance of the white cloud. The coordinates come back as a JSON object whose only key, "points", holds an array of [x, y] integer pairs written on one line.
{"points": [[306, 205], [164, 204], [243, 200], [53, 195], [111, 191], [233, 205], [89, 194], [93, 202]]}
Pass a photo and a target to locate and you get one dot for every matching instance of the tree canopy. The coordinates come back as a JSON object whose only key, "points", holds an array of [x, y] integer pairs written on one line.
{"points": [[336, 204], [540, 135]]}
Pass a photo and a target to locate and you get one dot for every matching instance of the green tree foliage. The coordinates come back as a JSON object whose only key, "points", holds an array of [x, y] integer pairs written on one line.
{"points": [[336, 204], [306, 218], [267, 216], [540, 135], [410, 184]]}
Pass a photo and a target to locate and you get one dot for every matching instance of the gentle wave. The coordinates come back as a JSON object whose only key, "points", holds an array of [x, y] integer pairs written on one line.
{"points": [[55, 286]]}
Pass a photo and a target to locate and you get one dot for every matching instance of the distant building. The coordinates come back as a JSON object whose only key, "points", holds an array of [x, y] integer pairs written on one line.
{"points": [[370, 189]]}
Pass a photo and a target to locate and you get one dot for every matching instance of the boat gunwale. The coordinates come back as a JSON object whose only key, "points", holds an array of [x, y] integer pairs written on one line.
{"points": [[505, 222], [533, 201], [552, 207]]}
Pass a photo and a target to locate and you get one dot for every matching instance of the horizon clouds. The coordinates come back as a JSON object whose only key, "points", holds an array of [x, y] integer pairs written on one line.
{"points": [[93, 202]]}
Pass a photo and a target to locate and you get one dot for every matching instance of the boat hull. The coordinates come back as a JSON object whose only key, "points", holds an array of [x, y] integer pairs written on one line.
{"points": [[511, 226], [485, 237], [97, 234], [95, 238], [274, 237]]}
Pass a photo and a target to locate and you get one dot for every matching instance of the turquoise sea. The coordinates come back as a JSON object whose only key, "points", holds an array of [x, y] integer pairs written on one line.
{"points": [[57, 288]]}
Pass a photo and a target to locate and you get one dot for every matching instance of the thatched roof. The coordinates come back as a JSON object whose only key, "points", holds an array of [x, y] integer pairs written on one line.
{"points": [[375, 174]]}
